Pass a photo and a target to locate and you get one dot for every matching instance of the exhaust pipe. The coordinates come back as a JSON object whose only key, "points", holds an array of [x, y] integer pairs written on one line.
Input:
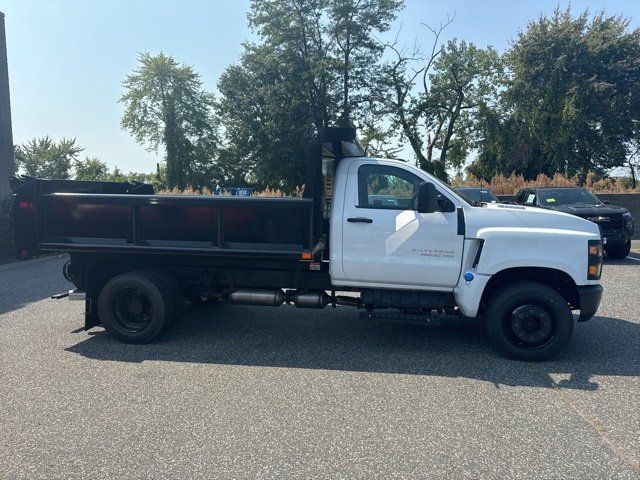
{"points": [[267, 298], [275, 298]]}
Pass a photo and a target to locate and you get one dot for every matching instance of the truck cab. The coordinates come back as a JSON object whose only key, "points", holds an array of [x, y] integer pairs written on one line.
{"points": [[404, 245]]}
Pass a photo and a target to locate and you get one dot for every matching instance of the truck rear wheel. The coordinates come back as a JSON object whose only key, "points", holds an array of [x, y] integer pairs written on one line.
{"points": [[136, 306], [618, 252], [529, 321]]}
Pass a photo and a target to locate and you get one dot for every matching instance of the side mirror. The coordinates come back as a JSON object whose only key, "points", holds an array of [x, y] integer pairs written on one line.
{"points": [[427, 198], [606, 202]]}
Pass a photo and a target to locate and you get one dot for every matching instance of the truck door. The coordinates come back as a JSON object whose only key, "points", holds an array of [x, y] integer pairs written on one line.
{"points": [[386, 241]]}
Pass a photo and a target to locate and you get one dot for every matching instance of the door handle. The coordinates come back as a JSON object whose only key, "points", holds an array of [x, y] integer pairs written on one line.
{"points": [[359, 220]]}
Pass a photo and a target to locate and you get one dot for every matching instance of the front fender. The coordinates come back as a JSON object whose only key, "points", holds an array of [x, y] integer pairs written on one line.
{"points": [[565, 250]]}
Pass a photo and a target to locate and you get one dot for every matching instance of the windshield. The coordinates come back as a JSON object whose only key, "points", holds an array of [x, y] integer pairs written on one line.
{"points": [[477, 195], [566, 196]]}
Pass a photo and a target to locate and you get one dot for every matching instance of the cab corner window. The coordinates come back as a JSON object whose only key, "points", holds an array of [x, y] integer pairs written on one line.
{"points": [[385, 187]]}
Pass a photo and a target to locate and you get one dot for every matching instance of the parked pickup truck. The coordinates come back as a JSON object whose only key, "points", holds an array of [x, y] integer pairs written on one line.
{"points": [[401, 241], [616, 223], [477, 195]]}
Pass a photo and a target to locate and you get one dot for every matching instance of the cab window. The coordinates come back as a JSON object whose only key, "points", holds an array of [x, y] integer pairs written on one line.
{"points": [[391, 188], [385, 187]]}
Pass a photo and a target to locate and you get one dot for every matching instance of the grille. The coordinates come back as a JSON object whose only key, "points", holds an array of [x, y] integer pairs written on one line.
{"points": [[610, 221]]}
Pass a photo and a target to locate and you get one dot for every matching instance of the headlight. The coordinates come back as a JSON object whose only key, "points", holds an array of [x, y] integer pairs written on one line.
{"points": [[595, 260], [628, 221]]}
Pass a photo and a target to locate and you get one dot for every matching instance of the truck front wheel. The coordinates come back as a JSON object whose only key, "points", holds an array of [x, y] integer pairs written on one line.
{"points": [[135, 306], [618, 252], [529, 321]]}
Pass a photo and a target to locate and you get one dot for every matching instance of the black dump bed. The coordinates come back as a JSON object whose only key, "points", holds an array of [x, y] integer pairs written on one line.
{"points": [[103, 217], [51, 215]]}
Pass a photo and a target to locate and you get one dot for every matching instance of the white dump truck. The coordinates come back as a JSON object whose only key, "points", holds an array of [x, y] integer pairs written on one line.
{"points": [[404, 245]]}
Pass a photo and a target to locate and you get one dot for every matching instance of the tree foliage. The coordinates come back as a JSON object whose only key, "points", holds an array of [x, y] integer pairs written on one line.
{"points": [[91, 169], [43, 157], [46, 158], [435, 97], [311, 67], [563, 99], [572, 104], [353, 24], [166, 106], [266, 120], [464, 80]]}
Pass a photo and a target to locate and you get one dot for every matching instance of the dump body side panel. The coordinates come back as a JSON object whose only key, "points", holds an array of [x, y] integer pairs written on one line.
{"points": [[180, 224]]}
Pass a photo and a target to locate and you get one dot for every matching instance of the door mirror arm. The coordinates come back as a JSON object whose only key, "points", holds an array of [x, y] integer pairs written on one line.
{"points": [[427, 198]]}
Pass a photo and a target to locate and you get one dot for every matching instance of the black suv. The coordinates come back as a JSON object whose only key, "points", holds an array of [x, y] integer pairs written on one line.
{"points": [[616, 223]]}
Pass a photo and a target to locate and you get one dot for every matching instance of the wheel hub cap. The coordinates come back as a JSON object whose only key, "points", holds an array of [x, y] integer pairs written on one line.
{"points": [[531, 324]]}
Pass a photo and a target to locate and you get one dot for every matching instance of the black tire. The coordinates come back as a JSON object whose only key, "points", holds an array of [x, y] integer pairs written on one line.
{"points": [[529, 321], [136, 306], [618, 252]]}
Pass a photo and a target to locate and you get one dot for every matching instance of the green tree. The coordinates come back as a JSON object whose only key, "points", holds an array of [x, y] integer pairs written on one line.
{"points": [[573, 97], [376, 137], [45, 158], [465, 78], [91, 169], [311, 66], [166, 106], [435, 98], [504, 147], [265, 120], [353, 26]]}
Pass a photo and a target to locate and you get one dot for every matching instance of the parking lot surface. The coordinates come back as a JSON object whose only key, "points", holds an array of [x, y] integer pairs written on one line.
{"points": [[246, 392]]}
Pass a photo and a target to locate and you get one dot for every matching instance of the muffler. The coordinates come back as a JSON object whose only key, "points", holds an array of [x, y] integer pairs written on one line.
{"points": [[275, 298], [267, 298], [311, 299]]}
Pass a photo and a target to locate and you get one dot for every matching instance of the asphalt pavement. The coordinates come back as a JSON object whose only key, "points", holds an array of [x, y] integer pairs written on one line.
{"points": [[252, 392]]}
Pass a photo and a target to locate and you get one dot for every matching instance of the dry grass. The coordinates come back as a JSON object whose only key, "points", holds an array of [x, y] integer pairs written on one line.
{"points": [[503, 185], [500, 184]]}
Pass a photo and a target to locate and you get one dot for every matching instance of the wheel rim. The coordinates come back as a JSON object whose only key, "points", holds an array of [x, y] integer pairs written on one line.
{"points": [[530, 326], [132, 310]]}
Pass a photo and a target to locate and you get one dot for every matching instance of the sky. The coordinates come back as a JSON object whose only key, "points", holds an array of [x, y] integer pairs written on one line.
{"points": [[68, 58]]}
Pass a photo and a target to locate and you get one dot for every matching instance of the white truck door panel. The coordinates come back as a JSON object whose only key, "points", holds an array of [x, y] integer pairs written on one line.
{"points": [[385, 241]]}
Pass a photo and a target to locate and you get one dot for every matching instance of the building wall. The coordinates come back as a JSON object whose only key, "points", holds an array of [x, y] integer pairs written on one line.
{"points": [[6, 137]]}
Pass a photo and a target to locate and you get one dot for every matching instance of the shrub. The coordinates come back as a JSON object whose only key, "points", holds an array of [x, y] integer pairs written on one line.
{"points": [[503, 185]]}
